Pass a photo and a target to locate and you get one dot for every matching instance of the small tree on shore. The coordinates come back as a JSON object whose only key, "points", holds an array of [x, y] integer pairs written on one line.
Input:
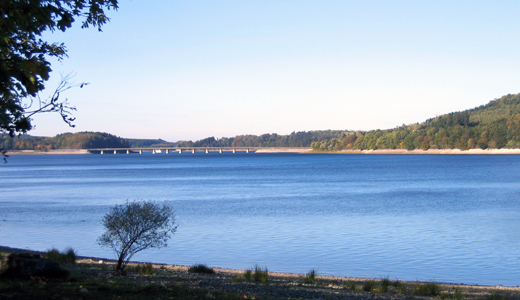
{"points": [[136, 226]]}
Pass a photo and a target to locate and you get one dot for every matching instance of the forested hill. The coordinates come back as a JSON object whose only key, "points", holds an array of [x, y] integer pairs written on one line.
{"points": [[494, 125], [295, 139], [80, 140]]}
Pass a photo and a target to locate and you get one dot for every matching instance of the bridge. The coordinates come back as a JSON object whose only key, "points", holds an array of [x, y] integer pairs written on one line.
{"points": [[181, 150]]}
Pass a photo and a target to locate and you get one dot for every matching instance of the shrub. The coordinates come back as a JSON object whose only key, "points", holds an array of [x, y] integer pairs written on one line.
{"points": [[148, 269], [66, 257], [426, 289], [310, 278], [385, 283], [457, 295], [248, 275], [70, 256], [201, 269], [351, 286], [55, 255], [497, 297], [261, 275], [400, 286], [369, 286]]}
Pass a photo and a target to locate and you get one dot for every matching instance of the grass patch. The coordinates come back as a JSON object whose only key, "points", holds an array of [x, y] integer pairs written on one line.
{"points": [[261, 275], [66, 257], [385, 284], [310, 278], [426, 289], [350, 285], [70, 256], [201, 269], [369, 286], [248, 275], [401, 287], [497, 297]]}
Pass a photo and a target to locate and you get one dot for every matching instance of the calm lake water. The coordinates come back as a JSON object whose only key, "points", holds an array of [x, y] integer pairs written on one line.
{"points": [[446, 218]]}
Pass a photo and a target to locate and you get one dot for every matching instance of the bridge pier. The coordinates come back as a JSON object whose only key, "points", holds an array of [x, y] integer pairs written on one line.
{"points": [[207, 151], [180, 151], [234, 150], [220, 150], [115, 151], [102, 152], [140, 151], [247, 150], [127, 151], [167, 151], [193, 151], [153, 151]]}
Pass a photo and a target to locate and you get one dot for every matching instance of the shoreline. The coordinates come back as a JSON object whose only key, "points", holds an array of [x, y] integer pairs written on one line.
{"points": [[311, 151], [102, 260]]}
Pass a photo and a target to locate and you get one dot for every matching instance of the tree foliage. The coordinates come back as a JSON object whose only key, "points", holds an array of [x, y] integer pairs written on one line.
{"points": [[494, 125], [135, 226], [80, 140], [24, 55]]}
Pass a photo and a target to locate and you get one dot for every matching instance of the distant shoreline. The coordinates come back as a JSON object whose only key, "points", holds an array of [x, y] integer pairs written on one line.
{"points": [[310, 151]]}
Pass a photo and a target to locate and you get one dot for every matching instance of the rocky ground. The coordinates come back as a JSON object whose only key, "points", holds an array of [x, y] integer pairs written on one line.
{"points": [[94, 278]]}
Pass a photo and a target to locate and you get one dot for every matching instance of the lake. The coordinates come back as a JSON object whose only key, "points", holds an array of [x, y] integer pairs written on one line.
{"points": [[447, 218]]}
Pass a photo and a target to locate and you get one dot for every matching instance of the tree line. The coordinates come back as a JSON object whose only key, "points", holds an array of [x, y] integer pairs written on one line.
{"points": [[80, 140], [495, 125]]}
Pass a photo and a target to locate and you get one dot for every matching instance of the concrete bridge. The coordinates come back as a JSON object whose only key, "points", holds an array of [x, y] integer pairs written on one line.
{"points": [[167, 150]]}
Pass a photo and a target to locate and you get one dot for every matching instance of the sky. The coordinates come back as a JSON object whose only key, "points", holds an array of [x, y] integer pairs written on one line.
{"points": [[186, 70]]}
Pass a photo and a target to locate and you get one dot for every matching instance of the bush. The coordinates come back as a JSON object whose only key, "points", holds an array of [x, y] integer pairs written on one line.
{"points": [[201, 269], [261, 275], [426, 289], [369, 286], [70, 256], [310, 278], [55, 255], [351, 286], [400, 286], [248, 274], [385, 283], [66, 257]]}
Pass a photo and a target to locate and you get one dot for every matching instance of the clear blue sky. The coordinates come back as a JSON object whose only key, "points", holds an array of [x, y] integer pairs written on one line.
{"points": [[185, 70]]}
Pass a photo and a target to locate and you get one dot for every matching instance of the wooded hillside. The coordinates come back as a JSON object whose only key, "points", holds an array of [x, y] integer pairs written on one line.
{"points": [[494, 125], [80, 140]]}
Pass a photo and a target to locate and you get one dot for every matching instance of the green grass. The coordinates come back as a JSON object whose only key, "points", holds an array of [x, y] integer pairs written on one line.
{"points": [[201, 269], [66, 257], [351, 286], [369, 286], [146, 268], [385, 284], [496, 297], [400, 286], [248, 275], [310, 278], [426, 289], [261, 275], [70, 256]]}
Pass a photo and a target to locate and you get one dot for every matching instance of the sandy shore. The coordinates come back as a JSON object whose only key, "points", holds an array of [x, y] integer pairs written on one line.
{"points": [[284, 150], [429, 152], [310, 151], [36, 152]]}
